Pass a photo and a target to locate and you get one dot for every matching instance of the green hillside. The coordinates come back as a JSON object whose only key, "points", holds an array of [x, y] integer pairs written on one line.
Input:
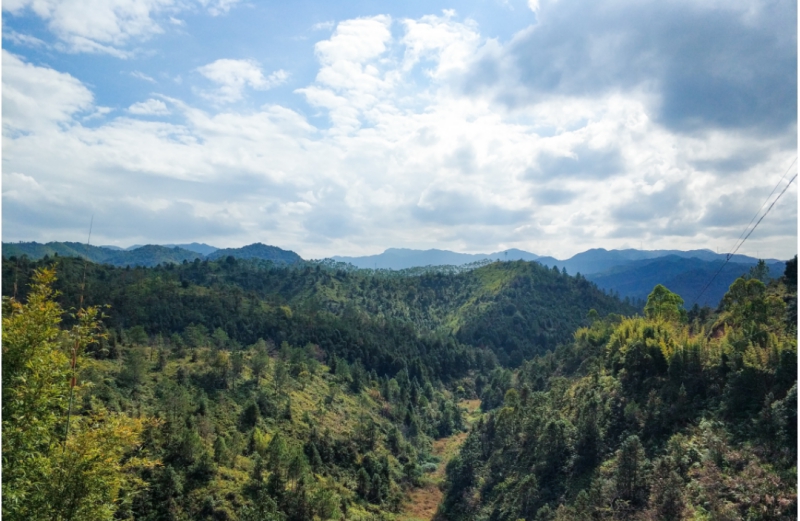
{"points": [[657, 417], [149, 256], [249, 390], [257, 251], [514, 309], [36, 251]]}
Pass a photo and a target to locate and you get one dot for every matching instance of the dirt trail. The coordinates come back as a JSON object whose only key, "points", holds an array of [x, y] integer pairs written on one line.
{"points": [[422, 503]]}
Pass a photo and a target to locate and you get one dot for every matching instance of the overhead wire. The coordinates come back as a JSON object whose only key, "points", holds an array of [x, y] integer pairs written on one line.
{"points": [[746, 234], [767, 199]]}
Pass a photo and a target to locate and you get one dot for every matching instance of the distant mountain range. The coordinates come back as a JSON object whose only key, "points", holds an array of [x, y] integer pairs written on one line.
{"points": [[197, 247], [629, 273], [592, 261], [599, 260], [684, 276], [148, 255], [403, 258]]}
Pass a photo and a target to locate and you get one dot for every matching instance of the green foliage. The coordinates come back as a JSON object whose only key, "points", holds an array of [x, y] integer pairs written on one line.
{"points": [[245, 430], [150, 255], [463, 321], [645, 418], [135, 367], [47, 475], [665, 305], [241, 433]]}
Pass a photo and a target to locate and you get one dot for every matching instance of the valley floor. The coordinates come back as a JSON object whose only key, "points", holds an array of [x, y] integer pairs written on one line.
{"points": [[422, 503]]}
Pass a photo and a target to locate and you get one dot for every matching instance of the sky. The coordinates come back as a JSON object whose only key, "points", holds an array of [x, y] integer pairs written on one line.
{"points": [[345, 128]]}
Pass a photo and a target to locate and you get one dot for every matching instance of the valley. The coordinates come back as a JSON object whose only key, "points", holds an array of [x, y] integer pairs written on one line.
{"points": [[250, 390]]}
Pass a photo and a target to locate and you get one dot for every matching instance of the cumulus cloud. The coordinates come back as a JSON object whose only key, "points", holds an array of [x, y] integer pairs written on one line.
{"points": [[437, 136], [232, 76], [151, 107], [34, 98], [440, 39], [106, 26], [698, 65], [101, 26]]}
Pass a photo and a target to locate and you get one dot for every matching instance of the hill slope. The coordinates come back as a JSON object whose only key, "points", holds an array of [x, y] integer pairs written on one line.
{"points": [[645, 418], [257, 251], [515, 309]]}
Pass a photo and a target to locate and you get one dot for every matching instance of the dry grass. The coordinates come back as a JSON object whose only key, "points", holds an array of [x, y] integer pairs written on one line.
{"points": [[422, 503]]}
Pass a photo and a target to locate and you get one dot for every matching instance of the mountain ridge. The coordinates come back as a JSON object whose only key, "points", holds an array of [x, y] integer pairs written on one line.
{"points": [[630, 273]]}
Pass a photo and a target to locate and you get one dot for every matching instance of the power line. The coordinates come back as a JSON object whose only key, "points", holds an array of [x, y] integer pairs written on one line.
{"points": [[731, 254], [765, 213], [767, 199]]}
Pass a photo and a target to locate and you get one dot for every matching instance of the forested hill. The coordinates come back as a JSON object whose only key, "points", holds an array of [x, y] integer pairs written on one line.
{"points": [[244, 391], [664, 417], [149, 255], [515, 309]]}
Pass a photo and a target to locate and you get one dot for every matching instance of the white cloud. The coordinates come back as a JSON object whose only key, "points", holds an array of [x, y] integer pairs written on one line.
{"points": [[151, 107], [323, 26], [23, 39], [409, 159], [36, 98], [533, 5], [452, 45], [233, 76], [98, 26], [355, 40], [142, 76], [17, 185], [218, 7], [107, 26], [99, 112]]}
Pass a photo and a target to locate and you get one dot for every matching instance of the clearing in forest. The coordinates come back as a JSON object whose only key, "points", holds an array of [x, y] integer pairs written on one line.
{"points": [[422, 503]]}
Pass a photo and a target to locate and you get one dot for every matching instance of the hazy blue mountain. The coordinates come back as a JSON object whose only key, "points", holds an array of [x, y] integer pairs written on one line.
{"points": [[403, 258], [258, 251], [684, 276], [111, 247], [550, 262], [599, 260]]}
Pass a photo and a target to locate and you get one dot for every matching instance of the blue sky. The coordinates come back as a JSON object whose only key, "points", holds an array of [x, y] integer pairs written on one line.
{"points": [[344, 128]]}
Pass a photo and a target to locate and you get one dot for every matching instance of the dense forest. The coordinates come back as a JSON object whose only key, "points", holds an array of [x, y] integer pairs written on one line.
{"points": [[666, 416], [235, 389]]}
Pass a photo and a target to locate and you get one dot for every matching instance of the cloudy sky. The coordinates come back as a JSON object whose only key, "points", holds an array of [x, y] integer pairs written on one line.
{"points": [[344, 128]]}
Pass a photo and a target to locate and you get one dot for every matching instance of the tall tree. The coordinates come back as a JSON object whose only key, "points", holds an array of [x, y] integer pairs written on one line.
{"points": [[47, 475]]}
